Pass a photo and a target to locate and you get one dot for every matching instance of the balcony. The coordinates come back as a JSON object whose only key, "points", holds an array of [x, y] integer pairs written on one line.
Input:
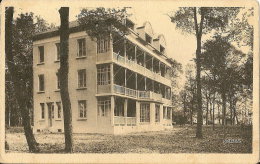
{"points": [[148, 95], [125, 91], [133, 66], [122, 121], [166, 101], [142, 95], [130, 92]]}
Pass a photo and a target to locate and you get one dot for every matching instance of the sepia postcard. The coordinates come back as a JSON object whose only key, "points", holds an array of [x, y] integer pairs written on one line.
{"points": [[144, 81]]}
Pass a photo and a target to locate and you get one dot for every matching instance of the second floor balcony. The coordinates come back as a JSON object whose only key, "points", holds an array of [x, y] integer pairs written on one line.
{"points": [[128, 92], [115, 79]]}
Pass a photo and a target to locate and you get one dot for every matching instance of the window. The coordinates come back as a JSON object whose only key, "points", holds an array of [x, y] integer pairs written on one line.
{"points": [[81, 47], [58, 51], [103, 75], [42, 111], [82, 78], [103, 45], [58, 109], [119, 107], [41, 54], [104, 107], [145, 112], [164, 112], [168, 93], [58, 80], [129, 24], [148, 38], [82, 104], [157, 113], [41, 83], [168, 113], [162, 49]]}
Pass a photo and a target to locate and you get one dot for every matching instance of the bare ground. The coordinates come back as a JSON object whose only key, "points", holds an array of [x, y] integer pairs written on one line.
{"points": [[181, 139]]}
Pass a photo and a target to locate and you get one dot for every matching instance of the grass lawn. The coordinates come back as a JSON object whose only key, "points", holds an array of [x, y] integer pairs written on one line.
{"points": [[181, 139]]}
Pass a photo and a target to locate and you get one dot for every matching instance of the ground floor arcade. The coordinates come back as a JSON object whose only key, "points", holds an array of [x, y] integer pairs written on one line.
{"points": [[131, 115]]}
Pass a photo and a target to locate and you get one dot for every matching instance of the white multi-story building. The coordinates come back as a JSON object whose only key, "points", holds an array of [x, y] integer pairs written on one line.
{"points": [[116, 85]]}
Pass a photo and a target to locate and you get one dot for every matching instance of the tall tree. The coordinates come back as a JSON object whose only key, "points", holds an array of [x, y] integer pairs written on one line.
{"points": [[223, 60], [25, 26], [175, 72], [190, 89], [211, 18], [64, 70], [19, 85]]}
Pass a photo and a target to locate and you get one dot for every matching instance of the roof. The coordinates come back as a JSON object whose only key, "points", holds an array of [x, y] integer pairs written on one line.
{"points": [[73, 26]]}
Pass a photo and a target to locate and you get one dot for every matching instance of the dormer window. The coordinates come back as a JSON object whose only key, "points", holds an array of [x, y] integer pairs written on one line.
{"points": [[148, 38], [162, 49], [129, 24]]}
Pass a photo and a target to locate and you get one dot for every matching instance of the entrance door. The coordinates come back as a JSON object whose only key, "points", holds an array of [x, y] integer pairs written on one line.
{"points": [[50, 113]]}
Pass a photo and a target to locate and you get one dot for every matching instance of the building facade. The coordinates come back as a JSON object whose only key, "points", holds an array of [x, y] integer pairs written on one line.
{"points": [[116, 85]]}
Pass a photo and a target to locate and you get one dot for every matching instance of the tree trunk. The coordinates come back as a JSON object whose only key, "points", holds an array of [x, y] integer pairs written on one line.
{"points": [[235, 113], [213, 111], [207, 109], [198, 71], [184, 104], [224, 123], [64, 70], [18, 85], [191, 119], [231, 108], [223, 95], [218, 114]]}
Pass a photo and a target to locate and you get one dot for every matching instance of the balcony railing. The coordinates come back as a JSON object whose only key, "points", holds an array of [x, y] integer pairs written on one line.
{"points": [[130, 92], [120, 120], [130, 121], [119, 58], [156, 96], [132, 64], [150, 95], [144, 95], [119, 89], [147, 95]]}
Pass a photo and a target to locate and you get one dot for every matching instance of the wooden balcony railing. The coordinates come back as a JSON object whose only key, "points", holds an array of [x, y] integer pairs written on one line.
{"points": [[144, 95], [120, 120], [147, 95], [119, 89], [150, 95], [130, 92]]}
